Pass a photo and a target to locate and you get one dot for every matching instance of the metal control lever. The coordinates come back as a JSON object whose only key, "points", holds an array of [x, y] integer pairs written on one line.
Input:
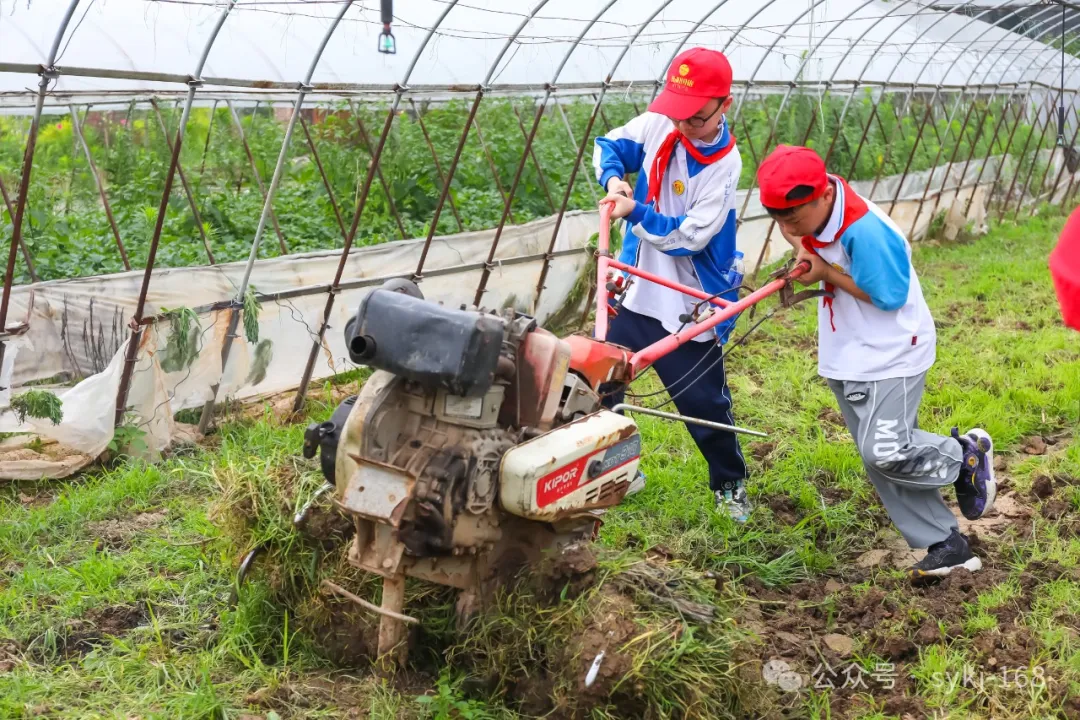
{"points": [[684, 418]]}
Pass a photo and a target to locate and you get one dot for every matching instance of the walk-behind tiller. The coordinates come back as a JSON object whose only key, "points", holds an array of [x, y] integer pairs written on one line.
{"points": [[480, 441]]}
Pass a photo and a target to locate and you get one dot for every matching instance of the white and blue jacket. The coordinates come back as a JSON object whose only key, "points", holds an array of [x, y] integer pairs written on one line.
{"points": [[691, 240]]}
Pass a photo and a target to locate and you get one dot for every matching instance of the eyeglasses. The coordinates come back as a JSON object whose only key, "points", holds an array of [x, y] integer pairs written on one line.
{"points": [[698, 122]]}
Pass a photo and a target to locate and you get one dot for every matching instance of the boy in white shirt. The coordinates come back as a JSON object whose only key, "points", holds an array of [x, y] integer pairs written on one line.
{"points": [[681, 220], [876, 342]]}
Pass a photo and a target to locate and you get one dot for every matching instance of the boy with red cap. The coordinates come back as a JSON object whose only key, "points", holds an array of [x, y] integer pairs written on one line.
{"points": [[876, 342], [680, 224]]}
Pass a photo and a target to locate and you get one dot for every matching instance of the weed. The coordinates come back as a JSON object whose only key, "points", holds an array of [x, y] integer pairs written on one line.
{"points": [[40, 404]]}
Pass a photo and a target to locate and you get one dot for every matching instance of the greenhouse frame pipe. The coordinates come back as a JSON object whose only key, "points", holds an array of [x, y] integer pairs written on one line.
{"points": [[1059, 117], [77, 126], [366, 139], [574, 143], [361, 201], [952, 65], [255, 171], [837, 136], [22, 243], [322, 174], [438, 165], [418, 274], [532, 152], [491, 164], [184, 182], [1004, 209], [578, 163], [772, 223], [768, 142], [206, 148], [1066, 198], [948, 168], [133, 341], [910, 159], [993, 94], [549, 88], [859, 81], [234, 317], [990, 148], [47, 72], [1005, 155], [1064, 164], [1050, 117], [911, 92]]}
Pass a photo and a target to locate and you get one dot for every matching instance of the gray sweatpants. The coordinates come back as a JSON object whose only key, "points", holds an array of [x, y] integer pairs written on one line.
{"points": [[906, 465]]}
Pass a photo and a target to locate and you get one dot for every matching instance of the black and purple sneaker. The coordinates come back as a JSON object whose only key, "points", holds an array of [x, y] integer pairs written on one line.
{"points": [[976, 487]]}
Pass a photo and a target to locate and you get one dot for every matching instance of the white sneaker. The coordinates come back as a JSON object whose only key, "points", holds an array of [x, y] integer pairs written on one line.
{"points": [[736, 503], [637, 484], [988, 481]]}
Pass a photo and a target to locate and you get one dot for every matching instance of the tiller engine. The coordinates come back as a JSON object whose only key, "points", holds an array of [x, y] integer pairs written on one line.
{"points": [[480, 441]]}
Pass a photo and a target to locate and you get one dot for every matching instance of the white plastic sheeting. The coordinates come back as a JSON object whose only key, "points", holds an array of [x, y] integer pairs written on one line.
{"points": [[899, 42]]}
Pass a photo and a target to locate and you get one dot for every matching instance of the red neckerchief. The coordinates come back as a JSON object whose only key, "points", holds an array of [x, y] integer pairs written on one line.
{"points": [[663, 159], [854, 209]]}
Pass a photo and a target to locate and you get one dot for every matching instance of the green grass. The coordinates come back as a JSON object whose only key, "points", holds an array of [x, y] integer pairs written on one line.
{"points": [[116, 587]]}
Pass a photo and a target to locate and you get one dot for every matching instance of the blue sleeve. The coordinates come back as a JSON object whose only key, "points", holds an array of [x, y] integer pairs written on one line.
{"points": [[880, 265], [618, 158], [621, 151], [660, 226]]}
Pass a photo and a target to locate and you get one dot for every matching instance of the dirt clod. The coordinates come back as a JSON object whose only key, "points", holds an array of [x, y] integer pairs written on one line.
{"points": [[117, 533], [784, 508], [842, 645], [1042, 488], [1055, 509], [1035, 445]]}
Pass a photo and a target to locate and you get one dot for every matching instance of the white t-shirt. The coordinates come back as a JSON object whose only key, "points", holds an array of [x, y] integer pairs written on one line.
{"points": [[892, 336]]}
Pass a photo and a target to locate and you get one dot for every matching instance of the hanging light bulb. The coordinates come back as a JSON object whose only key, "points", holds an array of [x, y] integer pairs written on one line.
{"points": [[387, 44]]}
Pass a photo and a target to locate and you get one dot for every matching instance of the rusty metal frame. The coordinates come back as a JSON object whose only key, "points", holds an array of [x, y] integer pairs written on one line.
{"points": [[1050, 117], [322, 174], [597, 108], [491, 163], [47, 72], [532, 153], [22, 243], [194, 82], [335, 286], [183, 181], [255, 171], [303, 88], [99, 184], [366, 139], [438, 165]]}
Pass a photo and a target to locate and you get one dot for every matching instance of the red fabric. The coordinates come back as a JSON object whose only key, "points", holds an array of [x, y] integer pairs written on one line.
{"points": [[1065, 271], [695, 77], [787, 167], [663, 159], [854, 208]]}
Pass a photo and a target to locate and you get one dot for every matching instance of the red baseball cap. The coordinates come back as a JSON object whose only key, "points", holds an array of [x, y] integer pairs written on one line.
{"points": [[786, 168], [695, 77]]}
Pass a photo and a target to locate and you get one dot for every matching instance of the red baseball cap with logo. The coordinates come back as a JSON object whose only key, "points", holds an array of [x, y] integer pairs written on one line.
{"points": [[695, 77], [786, 168]]}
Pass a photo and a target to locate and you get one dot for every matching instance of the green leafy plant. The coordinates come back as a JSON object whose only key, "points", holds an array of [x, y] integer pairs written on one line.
{"points": [[447, 704], [38, 404], [182, 348], [128, 440], [251, 315]]}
